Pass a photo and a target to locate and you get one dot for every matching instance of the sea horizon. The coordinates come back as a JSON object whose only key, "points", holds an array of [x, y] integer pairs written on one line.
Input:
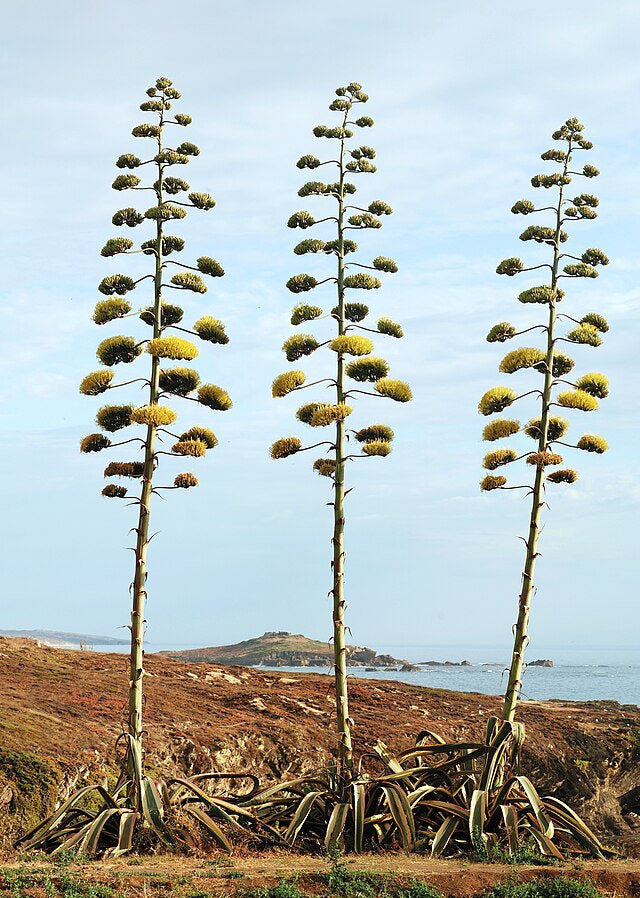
{"points": [[579, 672]]}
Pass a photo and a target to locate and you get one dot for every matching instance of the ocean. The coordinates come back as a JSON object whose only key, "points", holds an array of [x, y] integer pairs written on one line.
{"points": [[579, 673]]}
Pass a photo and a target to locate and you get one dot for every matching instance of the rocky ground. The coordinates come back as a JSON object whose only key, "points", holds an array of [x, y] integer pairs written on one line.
{"points": [[62, 710]]}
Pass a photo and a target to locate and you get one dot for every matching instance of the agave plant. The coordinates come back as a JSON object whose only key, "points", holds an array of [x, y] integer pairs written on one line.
{"points": [[349, 342], [560, 389], [136, 797], [441, 797]]}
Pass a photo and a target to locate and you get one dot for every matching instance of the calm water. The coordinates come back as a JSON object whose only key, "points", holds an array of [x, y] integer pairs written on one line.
{"points": [[579, 673]]}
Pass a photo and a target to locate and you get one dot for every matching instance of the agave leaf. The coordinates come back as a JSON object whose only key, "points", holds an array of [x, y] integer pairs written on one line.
{"points": [[128, 821], [45, 827], [446, 748], [443, 836], [477, 817], [153, 811], [495, 754], [576, 826], [72, 841], [491, 728], [212, 828], [302, 812], [289, 786], [135, 757], [358, 796], [500, 799], [335, 826], [510, 818], [545, 844], [390, 760], [425, 735], [94, 830], [418, 794], [545, 824], [226, 810], [448, 806], [402, 814]]}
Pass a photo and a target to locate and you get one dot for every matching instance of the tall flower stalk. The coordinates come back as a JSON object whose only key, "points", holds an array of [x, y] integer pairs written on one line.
{"points": [[163, 319], [547, 429], [349, 341]]}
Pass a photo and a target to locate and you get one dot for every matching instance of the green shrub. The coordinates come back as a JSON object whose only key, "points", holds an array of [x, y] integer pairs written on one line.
{"points": [[558, 887]]}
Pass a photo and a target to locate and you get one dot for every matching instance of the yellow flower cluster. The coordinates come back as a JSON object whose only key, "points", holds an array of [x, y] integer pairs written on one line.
{"points": [[585, 402], [172, 348], [286, 383], [500, 428], [499, 457], [328, 414], [352, 344], [153, 415], [397, 390], [377, 447]]}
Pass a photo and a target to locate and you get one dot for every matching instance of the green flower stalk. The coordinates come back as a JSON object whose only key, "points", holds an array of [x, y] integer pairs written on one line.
{"points": [[553, 366], [162, 346], [352, 350]]}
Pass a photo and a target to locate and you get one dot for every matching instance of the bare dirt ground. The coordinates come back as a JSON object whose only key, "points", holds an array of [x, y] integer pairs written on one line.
{"points": [[169, 875]]}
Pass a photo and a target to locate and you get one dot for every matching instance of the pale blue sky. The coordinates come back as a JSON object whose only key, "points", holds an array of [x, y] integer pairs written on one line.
{"points": [[465, 96]]}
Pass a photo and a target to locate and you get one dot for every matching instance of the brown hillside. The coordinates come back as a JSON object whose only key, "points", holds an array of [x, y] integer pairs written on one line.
{"points": [[61, 711]]}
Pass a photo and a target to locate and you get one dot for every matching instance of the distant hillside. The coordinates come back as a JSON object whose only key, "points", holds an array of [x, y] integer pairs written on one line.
{"points": [[60, 638], [282, 649]]}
